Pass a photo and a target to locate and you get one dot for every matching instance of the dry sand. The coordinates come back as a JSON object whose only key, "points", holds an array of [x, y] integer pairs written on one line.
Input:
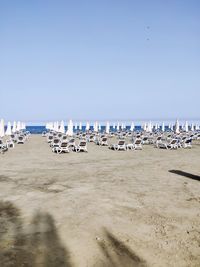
{"points": [[102, 208]]}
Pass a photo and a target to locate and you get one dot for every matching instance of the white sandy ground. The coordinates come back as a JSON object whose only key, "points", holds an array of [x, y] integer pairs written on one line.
{"points": [[101, 208]]}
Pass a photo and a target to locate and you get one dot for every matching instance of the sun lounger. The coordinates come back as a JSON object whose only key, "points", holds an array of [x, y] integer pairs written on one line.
{"points": [[120, 146], [82, 146], [173, 144]]}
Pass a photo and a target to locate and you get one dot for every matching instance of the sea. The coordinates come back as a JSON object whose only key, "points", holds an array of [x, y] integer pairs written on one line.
{"points": [[40, 129]]}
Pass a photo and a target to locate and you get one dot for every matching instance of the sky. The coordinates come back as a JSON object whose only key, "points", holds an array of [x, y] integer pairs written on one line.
{"points": [[99, 59]]}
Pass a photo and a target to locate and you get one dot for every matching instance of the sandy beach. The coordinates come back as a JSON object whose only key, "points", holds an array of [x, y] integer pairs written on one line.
{"points": [[101, 208]]}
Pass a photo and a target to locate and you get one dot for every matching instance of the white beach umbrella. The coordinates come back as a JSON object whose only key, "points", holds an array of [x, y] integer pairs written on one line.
{"points": [[23, 126], [107, 127], [62, 127], [47, 126], [192, 127], [177, 127], [70, 129], [186, 126], [99, 127], [8, 130], [76, 126], [132, 127], [196, 127], [18, 126], [114, 126], [87, 126], [14, 128], [145, 127], [55, 126], [149, 127], [96, 126], [2, 129], [80, 126], [163, 126], [118, 127], [171, 127]]}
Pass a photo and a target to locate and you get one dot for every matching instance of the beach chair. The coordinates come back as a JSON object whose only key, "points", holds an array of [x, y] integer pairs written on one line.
{"points": [[44, 134], [120, 146], [20, 139], [187, 143], [137, 144], [55, 143], [158, 141], [10, 143], [173, 144], [3, 147], [82, 146], [50, 138], [104, 141], [71, 144], [62, 148]]}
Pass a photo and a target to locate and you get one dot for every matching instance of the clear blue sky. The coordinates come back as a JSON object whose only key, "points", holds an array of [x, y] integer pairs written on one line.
{"points": [[105, 59]]}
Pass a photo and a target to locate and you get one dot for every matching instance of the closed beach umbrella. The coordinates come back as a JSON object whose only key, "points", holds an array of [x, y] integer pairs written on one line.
{"points": [[186, 126], [132, 127], [70, 129], [76, 126], [8, 130], [149, 127], [99, 127], [145, 127], [192, 127], [163, 126], [177, 127], [107, 127], [62, 127], [80, 126], [87, 126], [18, 126], [95, 126], [2, 130], [14, 128], [113, 126], [118, 127]]}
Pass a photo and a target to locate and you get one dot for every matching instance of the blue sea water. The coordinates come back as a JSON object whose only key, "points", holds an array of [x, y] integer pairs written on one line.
{"points": [[40, 129]]}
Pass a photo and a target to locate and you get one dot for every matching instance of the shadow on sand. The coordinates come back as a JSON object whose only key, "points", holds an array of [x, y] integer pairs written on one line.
{"points": [[117, 254], [186, 174], [41, 247]]}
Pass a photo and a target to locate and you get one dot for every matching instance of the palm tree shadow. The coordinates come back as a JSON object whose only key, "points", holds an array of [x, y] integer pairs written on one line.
{"points": [[40, 248], [117, 254], [186, 174]]}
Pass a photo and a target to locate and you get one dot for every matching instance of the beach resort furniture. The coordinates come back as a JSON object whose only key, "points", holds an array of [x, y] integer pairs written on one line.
{"points": [[138, 144], [82, 146], [103, 141], [55, 143], [50, 138], [187, 143], [173, 144], [3, 147], [158, 141], [71, 144], [20, 139], [44, 134], [120, 146], [62, 148], [10, 143]]}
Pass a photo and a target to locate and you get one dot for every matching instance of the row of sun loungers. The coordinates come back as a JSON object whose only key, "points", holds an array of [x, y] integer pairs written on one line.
{"points": [[17, 138], [61, 143]]}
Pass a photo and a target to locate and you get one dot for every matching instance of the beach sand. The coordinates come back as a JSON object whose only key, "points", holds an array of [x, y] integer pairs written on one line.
{"points": [[101, 208]]}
